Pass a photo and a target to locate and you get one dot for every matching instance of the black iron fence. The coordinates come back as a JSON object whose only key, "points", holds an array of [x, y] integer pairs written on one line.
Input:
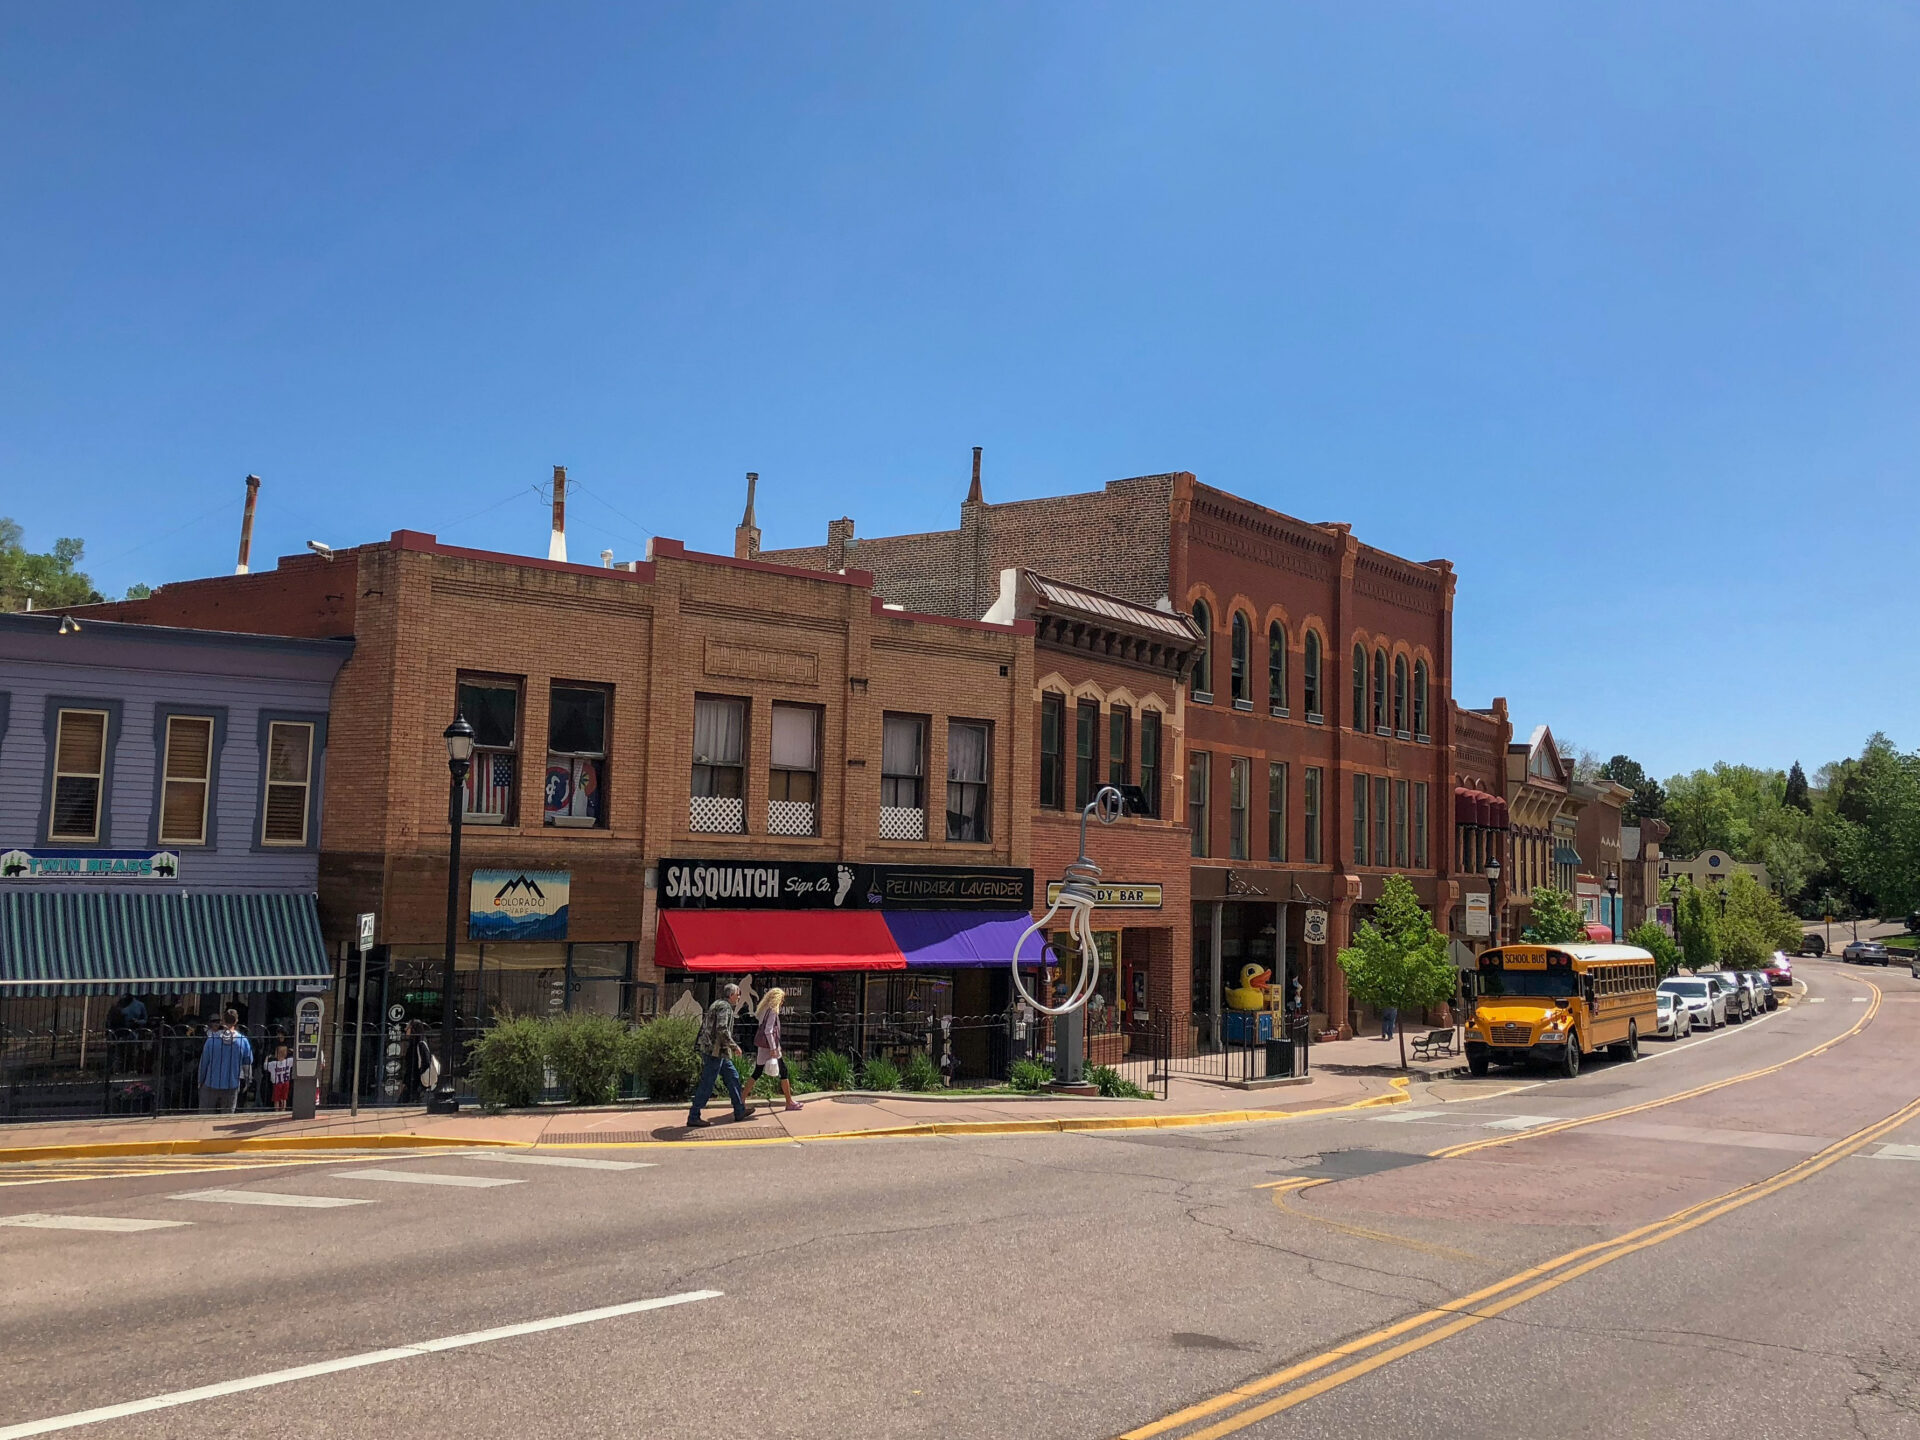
{"points": [[1183, 1046]]}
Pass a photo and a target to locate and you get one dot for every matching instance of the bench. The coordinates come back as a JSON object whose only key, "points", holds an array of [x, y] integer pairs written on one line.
{"points": [[1433, 1045]]}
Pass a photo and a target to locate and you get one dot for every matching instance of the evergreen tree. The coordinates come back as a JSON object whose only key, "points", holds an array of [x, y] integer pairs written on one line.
{"points": [[1796, 795]]}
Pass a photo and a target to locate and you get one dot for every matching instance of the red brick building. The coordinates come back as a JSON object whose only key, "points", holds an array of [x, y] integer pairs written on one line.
{"points": [[1480, 824], [1315, 753], [817, 753]]}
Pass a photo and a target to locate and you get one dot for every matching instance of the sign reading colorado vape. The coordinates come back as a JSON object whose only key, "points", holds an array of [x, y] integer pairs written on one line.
{"points": [[519, 904], [1121, 896], [89, 865], [825, 885]]}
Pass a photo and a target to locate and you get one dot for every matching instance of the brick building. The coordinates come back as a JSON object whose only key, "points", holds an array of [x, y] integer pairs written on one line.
{"points": [[1480, 824], [1539, 793], [1314, 758], [1597, 836], [765, 737]]}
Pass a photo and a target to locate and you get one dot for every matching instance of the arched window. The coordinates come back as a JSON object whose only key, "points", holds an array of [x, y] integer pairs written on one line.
{"points": [[1359, 687], [1240, 681], [1420, 698], [1203, 657], [1310, 677], [1400, 693], [1276, 668], [1379, 689]]}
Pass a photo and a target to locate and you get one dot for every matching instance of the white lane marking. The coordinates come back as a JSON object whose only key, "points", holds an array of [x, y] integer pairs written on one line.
{"points": [[1519, 1122], [1709, 1135], [1817, 1000], [1897, 1152], [88, 1222], [78, 1418], [1680, 1047], [1859, 999], [269, 1197], [423, 1177], [1401, 1117], [575, 1162]]}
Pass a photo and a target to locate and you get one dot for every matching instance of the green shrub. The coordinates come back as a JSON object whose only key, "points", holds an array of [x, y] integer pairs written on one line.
{"points": [[1654, 939], [1030, 1075], [1109, 1083], [589, 1054], [663, 1053], [830, 1070], [880, 1073], [509, 1062], [920, 1072]]}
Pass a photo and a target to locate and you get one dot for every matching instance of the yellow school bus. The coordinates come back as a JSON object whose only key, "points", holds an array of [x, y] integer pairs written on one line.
{"points": [[1556, 1003]]}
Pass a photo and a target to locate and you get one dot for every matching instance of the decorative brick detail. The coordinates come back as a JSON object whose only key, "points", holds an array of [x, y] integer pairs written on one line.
{"points": [[749, 662]]}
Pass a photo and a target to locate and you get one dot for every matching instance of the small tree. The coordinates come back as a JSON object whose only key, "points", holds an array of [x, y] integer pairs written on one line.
{"points": [[1756, 924], [1554, 920], [1652, 938], [1398, 958], [1697, 919]]}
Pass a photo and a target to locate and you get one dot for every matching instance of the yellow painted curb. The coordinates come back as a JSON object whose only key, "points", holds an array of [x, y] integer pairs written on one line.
{"points": [[245, 1145]]}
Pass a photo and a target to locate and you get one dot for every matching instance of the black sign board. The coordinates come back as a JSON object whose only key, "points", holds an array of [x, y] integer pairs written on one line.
{"points": [[777, 884]]}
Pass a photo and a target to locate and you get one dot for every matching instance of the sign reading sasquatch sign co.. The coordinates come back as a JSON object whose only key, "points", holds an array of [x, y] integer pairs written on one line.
{"points": [[777, 884]]}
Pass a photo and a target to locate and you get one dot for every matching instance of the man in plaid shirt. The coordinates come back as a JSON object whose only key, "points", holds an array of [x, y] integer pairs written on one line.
{"points": [[717, 1049]]}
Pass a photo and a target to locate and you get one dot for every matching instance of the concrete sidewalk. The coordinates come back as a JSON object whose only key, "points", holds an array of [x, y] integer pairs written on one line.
{"points": [[825, 1117], [1369, 1054]]}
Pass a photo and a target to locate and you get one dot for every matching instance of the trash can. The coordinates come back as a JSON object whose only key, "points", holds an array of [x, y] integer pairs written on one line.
{"points": [[1279, 1058]]}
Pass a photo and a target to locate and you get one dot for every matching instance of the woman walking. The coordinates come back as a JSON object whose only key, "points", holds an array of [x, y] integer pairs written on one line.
{"points": [[766, 1046]]}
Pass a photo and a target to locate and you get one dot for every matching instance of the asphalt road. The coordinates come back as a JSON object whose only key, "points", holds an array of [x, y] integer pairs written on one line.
{"points": [[1737, 1260]]}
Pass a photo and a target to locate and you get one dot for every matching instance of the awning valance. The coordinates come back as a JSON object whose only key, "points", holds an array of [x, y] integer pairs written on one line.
{"points": [[799, 941], [1600, 934], [1565, 855], [1477, 807], [80, 942]]}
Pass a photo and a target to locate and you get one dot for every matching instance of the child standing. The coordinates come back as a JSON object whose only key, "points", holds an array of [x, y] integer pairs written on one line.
{"points": [[280, 1073]]}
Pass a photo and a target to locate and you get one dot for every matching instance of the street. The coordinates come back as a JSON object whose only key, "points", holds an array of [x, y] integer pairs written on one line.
{"points": [[1713, 1241]]}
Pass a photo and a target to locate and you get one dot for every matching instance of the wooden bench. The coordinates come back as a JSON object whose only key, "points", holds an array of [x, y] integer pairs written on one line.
{"points": [[1433, 1045]]}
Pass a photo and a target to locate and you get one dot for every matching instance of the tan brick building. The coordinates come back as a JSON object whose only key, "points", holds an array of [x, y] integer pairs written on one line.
{"points": [[748, 714], [1315, 754]]}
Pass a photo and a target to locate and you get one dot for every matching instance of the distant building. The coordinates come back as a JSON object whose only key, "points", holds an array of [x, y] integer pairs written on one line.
{"points": [[1710, 867]]}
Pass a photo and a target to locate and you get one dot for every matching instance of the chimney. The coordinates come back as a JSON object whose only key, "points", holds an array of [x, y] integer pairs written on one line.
{"points": [[606, 559], [973, 494], [246, 525], [746, 535], [839, 541], [557, 545]]}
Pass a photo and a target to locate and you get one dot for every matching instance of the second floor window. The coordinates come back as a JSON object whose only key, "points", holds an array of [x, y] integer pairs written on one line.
{"points": [[1400, 694], [1150, 759], [1420, 699], [967, 759], [1203, 657], [903, 771], [1400, 822], [1053, 725], [1379, 690], [576, 758], [492, 707], [1380, 786], [1198, 778], [719, 781], [1420, 825], [1276, 669], [1119, 746], [1310, 677], [1242, 668], [1239, 782], [1310, 782], [1276, 812], [187, 776], [1086, 751], [793, 782], [289, 783], [1359, 819], [1359, 688], [79, 775]]}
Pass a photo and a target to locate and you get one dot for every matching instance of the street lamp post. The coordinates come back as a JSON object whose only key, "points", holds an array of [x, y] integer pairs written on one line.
{"points": [[1613, 905], [445, 1099]]}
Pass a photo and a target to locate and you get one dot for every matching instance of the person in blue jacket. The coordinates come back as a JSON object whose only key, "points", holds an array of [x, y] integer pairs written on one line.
{"points": [[225, 1058]]}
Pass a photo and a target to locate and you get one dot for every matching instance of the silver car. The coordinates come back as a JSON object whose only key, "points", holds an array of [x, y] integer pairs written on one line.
{"points": [[1763, 989], [1739, 997], [1705, 1002], [1672, 1019]]}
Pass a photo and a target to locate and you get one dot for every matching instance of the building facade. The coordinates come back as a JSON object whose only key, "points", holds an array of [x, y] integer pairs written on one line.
{"points": [[1542, 833], [1598, 837], [1480, 827]]}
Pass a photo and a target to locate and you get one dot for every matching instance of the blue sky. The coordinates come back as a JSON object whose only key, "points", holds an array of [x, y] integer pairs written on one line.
{"points": [[1616, 307]]}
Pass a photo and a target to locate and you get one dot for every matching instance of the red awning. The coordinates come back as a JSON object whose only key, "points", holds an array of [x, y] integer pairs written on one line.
{"points": [[1496, 812], [776, 940], [1476, 807], [1598, 933]]}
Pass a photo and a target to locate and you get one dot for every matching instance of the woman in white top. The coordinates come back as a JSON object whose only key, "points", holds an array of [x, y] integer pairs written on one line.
{"points": [[766, 1044]]}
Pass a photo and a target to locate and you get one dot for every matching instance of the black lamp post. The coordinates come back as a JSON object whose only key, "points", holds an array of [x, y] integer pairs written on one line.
{"points": [[1613, 904], [1493, 894], [445, 1099]]}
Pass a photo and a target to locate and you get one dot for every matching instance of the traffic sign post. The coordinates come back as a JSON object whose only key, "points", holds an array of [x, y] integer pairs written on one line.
{"points": [[365, 941], [305, 1096]]}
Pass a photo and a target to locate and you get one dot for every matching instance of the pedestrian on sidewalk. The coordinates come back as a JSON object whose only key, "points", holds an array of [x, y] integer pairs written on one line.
{"points": [[717, 1049], [222, 1060], [280, 1075], [767, 1058], [1388, 1018]]}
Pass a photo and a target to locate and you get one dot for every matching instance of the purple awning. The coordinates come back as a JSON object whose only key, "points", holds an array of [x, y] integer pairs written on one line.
{"points": [[945, 939]]}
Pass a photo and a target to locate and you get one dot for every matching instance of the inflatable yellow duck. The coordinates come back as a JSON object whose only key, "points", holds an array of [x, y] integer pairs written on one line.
{"points": [[1252, 994]]}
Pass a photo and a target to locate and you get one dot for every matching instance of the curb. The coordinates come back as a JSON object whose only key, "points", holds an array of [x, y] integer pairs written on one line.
{"points": [[249, 1144]]}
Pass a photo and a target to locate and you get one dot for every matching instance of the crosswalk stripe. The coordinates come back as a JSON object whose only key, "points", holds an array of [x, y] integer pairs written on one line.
{"points": [[1400, 1117], [88, 1222], [1898, 1152], [269, 1197], [573, 1162], [422, 1177], [1518, 1122]]}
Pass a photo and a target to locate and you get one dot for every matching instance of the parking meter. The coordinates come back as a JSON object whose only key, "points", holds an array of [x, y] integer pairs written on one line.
{"points": [[306, 1058]]}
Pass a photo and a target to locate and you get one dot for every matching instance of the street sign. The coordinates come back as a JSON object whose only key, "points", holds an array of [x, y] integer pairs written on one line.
{"points": [[1122, 895], [1314, 930], [366, 930]]}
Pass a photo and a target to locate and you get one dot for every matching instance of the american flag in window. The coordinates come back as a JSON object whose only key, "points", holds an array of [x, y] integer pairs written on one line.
{"points": [[490, 786]]}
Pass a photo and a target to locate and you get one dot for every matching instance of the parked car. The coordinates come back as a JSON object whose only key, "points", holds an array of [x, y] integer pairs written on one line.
{"points": [[1705, 1002], [1866, 952], [1763, 987], [1672, 1019], [1739, 999], [1780, 971]]}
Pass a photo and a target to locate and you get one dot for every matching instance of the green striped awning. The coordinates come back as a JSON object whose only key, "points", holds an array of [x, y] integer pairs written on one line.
{"points": [[82, 942]]}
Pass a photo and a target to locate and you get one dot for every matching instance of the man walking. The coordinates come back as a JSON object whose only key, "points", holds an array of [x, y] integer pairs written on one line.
{"points": [[224, 1057], [717, 1048]]}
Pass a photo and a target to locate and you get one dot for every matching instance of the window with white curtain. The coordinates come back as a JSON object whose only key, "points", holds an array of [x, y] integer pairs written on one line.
{"points": [[967, 747], [903, 772], [719, 764], [794, 781]]}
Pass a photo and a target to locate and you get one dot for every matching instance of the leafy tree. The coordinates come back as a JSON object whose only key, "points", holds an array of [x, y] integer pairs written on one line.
{"points": [[1873, 831], [1586, 764], [1697, 919], [47, 580], [138, 591], [1555, 920], [1649, 797], [1653, 938], [1755, 924], [1796, 795], [1398, 958]]}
